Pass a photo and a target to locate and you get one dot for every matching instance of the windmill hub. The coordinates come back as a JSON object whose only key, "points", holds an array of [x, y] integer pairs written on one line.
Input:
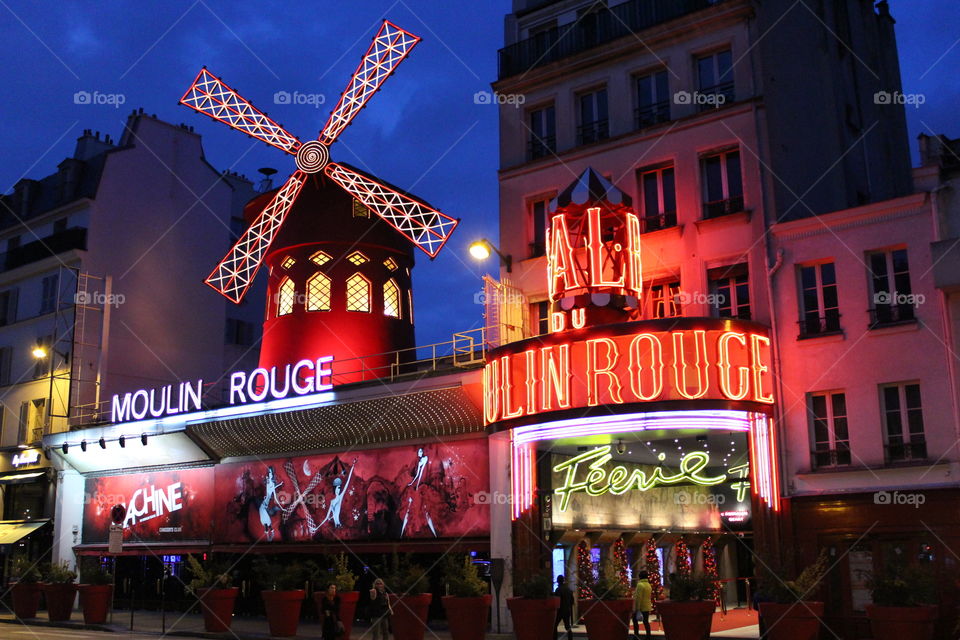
{"points": [[312, 156]]}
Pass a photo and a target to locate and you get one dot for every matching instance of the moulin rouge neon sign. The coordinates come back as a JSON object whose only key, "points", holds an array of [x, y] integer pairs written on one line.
{"points": [[586, 472], [632, 363]]}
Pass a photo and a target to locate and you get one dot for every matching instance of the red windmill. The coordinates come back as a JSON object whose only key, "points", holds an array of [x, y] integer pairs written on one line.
{"points": [[321, 232]]}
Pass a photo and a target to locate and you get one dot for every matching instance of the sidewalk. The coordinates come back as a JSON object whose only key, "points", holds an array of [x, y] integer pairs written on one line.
{"points": [[244, 628]]}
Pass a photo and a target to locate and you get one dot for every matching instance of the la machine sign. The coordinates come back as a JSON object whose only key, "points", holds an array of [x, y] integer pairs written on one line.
{"points": [[632, 362], [303, 378]]}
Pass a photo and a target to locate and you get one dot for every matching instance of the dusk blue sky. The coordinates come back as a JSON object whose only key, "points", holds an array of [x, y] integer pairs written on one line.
{"points": [[423, 132]]}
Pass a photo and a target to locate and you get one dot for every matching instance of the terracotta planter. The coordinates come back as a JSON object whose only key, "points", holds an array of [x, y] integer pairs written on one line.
{"points": [[26, 599], [467, 617], [607, 619], [217, 607], [60, 599], [348, 608], [897, 623], [686, 620], [95, 601], [410, 615], [283, 611], [794, 621], [533, 619]]}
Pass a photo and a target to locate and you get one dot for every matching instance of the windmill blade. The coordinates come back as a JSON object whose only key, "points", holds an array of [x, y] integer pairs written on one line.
{"points": [[388, 49], [233, 276], [212, 97], [423, 225]]}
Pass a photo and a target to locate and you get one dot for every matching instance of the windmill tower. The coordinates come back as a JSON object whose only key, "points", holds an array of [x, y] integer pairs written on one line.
{"points": [[337, 242]]}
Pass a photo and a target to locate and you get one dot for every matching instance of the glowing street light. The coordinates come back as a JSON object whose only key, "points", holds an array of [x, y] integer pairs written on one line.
{"points": [[482, 248], [39, 352]]}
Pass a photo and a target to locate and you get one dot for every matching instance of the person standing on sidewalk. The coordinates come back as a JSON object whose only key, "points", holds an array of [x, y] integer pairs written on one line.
{"points": [[330, 613], [565, 612], [642, 604], [380, 611]]}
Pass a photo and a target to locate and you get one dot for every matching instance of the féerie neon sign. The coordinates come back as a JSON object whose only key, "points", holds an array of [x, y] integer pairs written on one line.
{"points": [[598, 481]]}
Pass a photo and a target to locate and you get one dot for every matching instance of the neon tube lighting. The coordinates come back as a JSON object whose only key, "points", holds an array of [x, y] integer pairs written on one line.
{"points": [[724, 420]]}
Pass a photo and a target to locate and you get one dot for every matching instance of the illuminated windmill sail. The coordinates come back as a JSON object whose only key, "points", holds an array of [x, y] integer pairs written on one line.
{"points": [[420, 223]]}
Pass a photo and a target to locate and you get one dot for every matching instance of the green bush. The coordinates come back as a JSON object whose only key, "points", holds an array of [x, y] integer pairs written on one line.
{"points": [[903, 586], [25, 571], [59, 573], [212, 576], [535, 587], [280, 576], [404, 577], [686, 588], [462, 578], [92, 572], [607, 585], [776, 585], [342, 576]]}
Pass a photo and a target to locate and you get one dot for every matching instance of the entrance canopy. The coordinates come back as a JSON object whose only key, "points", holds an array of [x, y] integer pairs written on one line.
{"points": [[13, 530]]}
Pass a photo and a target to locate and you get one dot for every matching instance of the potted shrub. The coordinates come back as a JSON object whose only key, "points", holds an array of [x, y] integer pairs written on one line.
{"points": [[26, 589], [533, 607], [688, 614], [785, 614], [345, 581], [468, 598], [96, 592], [903, 603], [407, 583], [607, 613], [282, 594], [211, 585], [60, 591]]}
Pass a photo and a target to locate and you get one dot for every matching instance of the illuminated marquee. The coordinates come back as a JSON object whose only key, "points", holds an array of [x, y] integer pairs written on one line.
{"points": [[629, 363]]}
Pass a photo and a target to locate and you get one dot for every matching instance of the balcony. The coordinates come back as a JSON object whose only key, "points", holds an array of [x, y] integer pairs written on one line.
{"points": [[916, 449], [541, 147], [591, 132], [55, 244], [720, 208], [826, 458], [822, 326], [716, 96], [660, 221], [623, 20], [888, 315], [651, 114]]}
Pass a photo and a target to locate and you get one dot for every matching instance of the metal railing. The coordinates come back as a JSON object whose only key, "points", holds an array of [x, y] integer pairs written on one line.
{"points": [[659, 221], [915, 449], [719, 208], [820, 326], [592, 31], [591, 132], [651, 114], [837, 457], [724, 92], [889, 314], [538, 147]]}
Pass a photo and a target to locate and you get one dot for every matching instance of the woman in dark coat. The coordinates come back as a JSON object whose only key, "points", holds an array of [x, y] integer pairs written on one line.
{"points": [[330, 613]]}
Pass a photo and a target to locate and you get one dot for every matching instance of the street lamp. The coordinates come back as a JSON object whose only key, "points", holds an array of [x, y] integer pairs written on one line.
{"points": [[39, 352], [481, 249]]}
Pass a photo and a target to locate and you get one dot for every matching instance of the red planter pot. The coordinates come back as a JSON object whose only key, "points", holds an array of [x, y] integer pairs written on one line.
{"points": [[897, 623], [95, 601], [686, 620], [283, 611], [607, 619], [60, 599], [794, 621], [26, 599], [348, 608], [410, 615], [467, 617], [533, 619], [217, 607]]}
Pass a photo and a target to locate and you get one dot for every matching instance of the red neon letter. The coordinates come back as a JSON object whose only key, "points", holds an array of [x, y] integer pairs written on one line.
{"points": [[680, 366], [506, 373], [562, 271], [743, 373], [491, 391], [555, 376], [595, 249], [759, 369], [594, 371], [634, 267], [531, 360], [636, 366]]}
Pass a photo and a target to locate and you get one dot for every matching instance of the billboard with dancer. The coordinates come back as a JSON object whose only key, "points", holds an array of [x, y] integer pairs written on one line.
{"points": [[436, 490]]}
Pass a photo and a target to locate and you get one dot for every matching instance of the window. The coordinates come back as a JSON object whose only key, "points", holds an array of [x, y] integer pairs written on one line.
{"points": [[715, 80], [42, 366], [6, 358], [903, 422], [593, 117], [730, 291], [320, 258], [890, 288], [356, 258], [659, 198], [543, 132], [653, 99], [540, 312], [360, 210], [288, 262], [538, 227], [32, 417], [391, 299], [828, 428], [238, 332], [318, 293], [390, 264], [48, 296], [358, 293], [286, 297], [8, 306], [664, 300], [722, 184], [819, 309]]}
